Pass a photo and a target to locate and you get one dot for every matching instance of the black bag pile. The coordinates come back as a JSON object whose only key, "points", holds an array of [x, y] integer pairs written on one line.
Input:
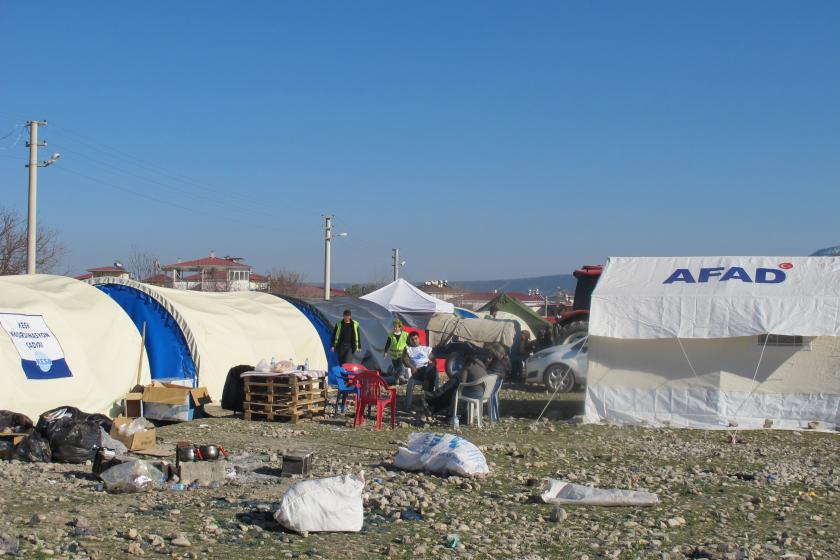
{"points": [[34, 448], [73, 435]]}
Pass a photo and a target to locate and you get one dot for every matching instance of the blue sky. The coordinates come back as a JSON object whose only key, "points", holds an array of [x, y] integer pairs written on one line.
{"points": [[484, 139]]}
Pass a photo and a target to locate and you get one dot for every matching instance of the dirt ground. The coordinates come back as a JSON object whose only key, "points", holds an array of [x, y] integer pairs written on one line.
{"points": [[724, 494]]}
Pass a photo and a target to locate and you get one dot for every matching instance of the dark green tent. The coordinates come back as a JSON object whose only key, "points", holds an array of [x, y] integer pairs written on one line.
{"points": [[510, 304]]}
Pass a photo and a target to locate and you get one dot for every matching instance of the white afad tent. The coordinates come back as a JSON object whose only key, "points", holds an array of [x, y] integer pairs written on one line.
{"points": [[411, 304], [63, 342], [715, 342]]}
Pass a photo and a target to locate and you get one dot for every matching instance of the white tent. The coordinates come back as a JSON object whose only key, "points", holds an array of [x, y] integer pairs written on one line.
{"points": [[63, 342], [225, 329], [414, 306], [716, 342]]}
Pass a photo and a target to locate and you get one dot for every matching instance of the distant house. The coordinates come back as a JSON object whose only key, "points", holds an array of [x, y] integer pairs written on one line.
{"points": [[105, 271], [209, 274]]}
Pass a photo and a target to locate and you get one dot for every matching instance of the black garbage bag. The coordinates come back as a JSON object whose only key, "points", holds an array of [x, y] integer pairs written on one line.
{"points": [[34, 449], [14, 421], [73, 435], [234, 392]]}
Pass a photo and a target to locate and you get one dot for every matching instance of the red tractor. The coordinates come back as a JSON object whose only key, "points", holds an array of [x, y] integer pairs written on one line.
{"points": [[573, 325]]}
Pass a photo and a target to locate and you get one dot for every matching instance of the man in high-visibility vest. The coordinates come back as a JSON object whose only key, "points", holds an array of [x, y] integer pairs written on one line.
{"points": [[346, 341], [394, 346]]}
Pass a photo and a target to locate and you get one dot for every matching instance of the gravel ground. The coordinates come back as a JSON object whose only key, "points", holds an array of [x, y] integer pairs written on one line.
{"points": [[727, 495]]}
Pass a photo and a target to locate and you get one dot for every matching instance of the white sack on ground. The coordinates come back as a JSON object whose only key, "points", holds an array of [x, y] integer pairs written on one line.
{"points": [[324, 504], [561, 492], [441, 454]]}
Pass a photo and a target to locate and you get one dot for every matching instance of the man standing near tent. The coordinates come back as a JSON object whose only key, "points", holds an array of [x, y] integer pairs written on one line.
{"points": [[346, 341], [394, 347]]}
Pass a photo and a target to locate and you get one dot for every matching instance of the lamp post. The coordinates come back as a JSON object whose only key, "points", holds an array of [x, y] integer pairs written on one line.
{"points": [[327, 240]]}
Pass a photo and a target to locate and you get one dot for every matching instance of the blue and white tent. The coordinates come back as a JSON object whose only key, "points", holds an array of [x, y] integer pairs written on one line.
{"points": [[201, 335]]}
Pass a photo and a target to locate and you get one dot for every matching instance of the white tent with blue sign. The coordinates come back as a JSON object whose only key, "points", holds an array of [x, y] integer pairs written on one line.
{"points": [[63, 342], [200, 336], [716, 342]]}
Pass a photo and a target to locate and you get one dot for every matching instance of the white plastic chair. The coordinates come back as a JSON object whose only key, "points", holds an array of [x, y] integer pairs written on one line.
{"points": [[475, 406]]}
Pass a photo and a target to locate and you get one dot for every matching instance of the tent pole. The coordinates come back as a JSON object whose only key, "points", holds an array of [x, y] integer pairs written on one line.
{"points": [[142, 351]]}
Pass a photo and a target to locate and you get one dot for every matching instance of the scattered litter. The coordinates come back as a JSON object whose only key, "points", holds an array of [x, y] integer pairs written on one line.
{"points": [[411, 515], [107, 442], [562, 492], [452, 540], [134, 476], [326, 504], [441, 454]]}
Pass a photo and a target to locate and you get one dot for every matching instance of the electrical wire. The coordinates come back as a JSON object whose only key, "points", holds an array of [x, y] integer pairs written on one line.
{"points": [[157, 169], [64, 168]]}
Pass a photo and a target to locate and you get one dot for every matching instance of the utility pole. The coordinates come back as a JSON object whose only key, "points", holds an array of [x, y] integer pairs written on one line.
{"points": [[327, 239], [328, 235], [31, 225], [395, 255]]}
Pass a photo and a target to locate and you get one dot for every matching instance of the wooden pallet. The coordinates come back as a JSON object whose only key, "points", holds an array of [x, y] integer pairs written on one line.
{"points": [[272, 412], [285, 397]]}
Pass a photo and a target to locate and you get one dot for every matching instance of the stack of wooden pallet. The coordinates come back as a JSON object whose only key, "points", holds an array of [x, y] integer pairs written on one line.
{"points": [[284, 397]]}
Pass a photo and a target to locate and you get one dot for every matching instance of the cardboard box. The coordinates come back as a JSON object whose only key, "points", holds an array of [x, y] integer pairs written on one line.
{"points": [[135, 442], [133, 405], [164, 401]]}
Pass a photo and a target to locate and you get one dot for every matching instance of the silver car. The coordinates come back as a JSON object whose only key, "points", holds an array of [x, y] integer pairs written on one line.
{"points": [[560, 367]]}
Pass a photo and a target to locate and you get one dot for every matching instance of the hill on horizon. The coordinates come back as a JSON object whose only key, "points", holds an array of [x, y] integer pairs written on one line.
{"points": [[545, 284]]}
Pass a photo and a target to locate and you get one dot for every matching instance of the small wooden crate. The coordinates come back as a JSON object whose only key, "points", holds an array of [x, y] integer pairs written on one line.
{"points": [[284, 397]]}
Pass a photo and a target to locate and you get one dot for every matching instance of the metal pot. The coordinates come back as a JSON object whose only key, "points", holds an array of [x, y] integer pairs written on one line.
{"points": [[209, 452], [186, 454]]}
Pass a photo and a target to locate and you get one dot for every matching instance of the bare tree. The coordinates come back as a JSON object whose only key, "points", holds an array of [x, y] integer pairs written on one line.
{"points": [[13, 245], [285, 282], [142, 264], [357, 290]]}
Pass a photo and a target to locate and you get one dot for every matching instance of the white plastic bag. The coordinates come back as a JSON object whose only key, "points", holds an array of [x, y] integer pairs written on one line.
{"points": [[110, 443], [566, 493], [262, 366], [136, 426], [324, 504], [441, 454], [135, 476]]}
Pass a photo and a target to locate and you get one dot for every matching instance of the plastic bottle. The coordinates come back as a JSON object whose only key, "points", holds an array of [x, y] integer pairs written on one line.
{"points": [[273, 361], [456, 422], [306, 364]]}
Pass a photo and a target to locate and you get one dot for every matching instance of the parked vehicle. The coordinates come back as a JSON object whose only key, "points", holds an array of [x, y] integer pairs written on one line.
{"points": [[574, 325], [559, 367]]}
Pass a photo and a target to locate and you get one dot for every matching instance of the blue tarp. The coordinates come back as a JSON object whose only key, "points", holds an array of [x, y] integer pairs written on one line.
{"points": [[321, 324], [167, 350], [465, 313]]}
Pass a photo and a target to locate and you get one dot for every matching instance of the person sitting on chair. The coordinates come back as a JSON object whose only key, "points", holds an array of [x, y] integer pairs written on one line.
{"points": [[444, 398], [418, 359]]}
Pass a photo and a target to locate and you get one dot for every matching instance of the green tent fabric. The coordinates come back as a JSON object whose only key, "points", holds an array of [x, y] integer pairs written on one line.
{"points": [[515, 307]]}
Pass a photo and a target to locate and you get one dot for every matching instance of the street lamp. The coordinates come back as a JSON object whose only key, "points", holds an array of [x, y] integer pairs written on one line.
{"points": [[327, 239]]}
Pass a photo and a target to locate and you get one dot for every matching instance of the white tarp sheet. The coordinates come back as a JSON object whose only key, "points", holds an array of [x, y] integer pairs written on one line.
{"points": [[716, 297]]}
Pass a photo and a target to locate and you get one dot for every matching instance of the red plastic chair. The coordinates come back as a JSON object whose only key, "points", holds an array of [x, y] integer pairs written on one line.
{"points": [[354, 368], [370, 393]]}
